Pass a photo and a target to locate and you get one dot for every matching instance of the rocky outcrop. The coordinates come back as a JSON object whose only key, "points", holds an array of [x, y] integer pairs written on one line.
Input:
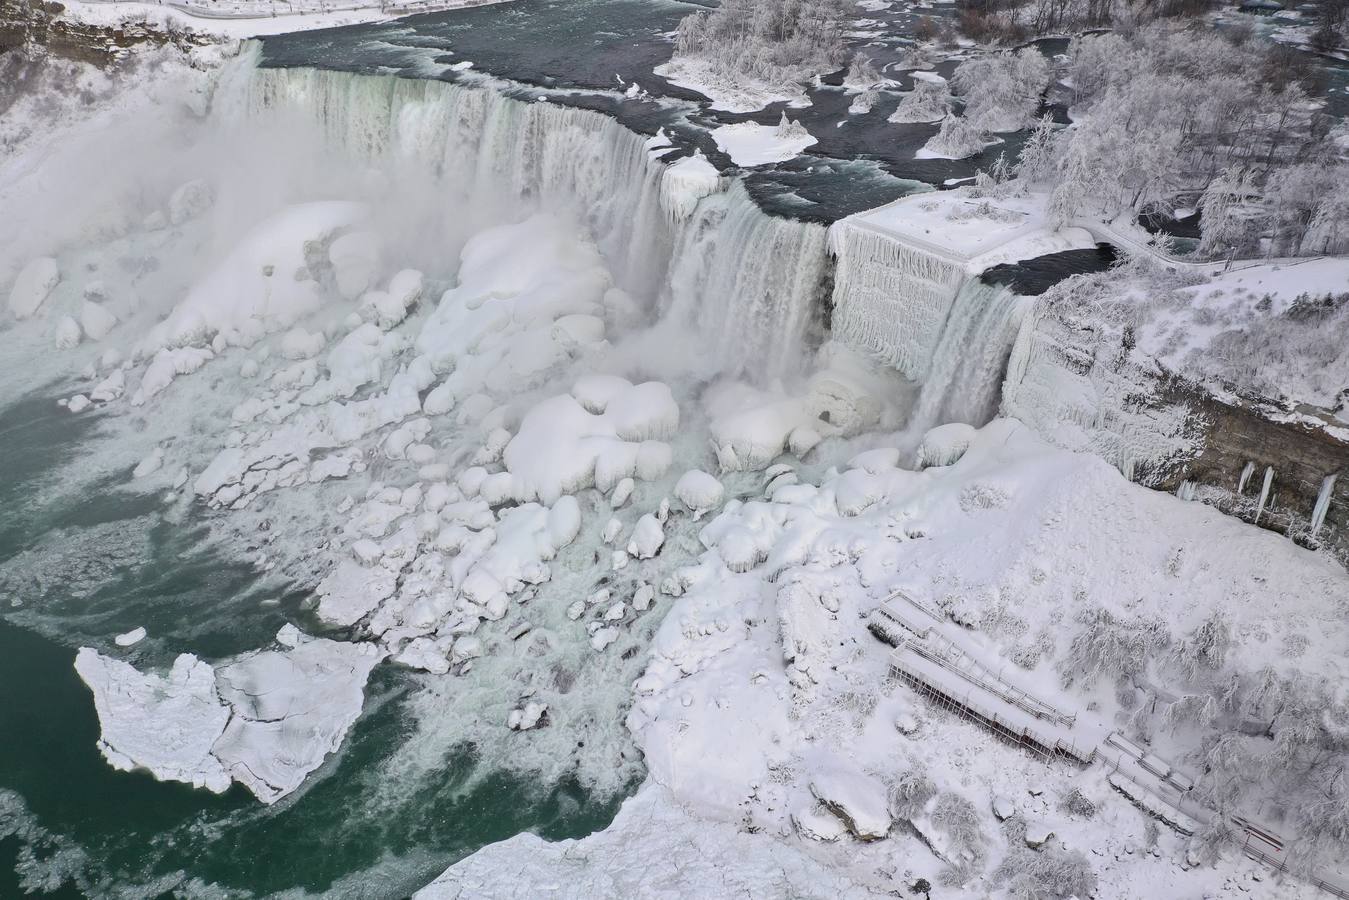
{"points": [[1082, 385], [31, 25]]}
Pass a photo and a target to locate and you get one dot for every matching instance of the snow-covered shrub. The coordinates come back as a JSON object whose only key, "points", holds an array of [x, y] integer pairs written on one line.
{"points": [[911, 793], [959, 820], [1077, 803], [1047, 874], [929, 101], [1111, 647]]}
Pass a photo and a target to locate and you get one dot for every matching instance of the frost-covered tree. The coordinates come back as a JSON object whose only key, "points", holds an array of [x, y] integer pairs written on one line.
{"points": [[862, 74], [1226, 215], [773, 42], [1111, 647], [1002, 90], [929, 101], [1165, 112], [1038, 154], [1205, 648]]}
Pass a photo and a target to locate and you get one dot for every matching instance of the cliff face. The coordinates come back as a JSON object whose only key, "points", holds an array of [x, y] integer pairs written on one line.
{"points": [[1081, 384], [33, 25]]}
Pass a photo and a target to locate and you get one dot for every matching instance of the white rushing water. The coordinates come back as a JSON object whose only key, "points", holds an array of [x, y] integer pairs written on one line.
{"points": [[965, 381], [749, 284]]}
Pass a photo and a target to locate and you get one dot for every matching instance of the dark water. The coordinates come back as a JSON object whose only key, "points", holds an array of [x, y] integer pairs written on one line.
{"points": [[1032, 277], [93, 563], [593, 48]]}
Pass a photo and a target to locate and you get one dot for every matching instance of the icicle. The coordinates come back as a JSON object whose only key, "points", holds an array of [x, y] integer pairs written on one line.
{"points": [[1245, 477], [1264, 492], [1322, 503], [1185, 490]]}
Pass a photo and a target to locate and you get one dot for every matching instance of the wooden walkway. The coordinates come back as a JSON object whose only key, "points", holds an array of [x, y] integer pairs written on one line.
{"points": [[929, 658]]}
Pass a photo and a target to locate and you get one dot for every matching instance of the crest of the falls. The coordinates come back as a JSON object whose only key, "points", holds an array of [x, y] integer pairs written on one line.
{"points": [[748, 284]]}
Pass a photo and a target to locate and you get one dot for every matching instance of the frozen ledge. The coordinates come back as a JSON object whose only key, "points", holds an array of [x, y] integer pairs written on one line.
{"points": [[974, 233], [265, 719], [654, 848]]}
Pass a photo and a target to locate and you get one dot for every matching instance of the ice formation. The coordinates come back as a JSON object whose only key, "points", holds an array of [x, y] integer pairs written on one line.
{"points": [[265, 719]]}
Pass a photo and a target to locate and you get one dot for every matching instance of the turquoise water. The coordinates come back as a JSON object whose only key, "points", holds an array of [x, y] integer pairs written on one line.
{"points": [[72, 826]]}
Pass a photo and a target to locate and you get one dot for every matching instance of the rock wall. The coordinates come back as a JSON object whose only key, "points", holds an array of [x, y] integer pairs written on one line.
{"points": [[1081, 384], [34, 26]]}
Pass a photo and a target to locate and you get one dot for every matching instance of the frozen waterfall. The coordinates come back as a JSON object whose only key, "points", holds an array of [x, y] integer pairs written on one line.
{"points": [[891, 299]]}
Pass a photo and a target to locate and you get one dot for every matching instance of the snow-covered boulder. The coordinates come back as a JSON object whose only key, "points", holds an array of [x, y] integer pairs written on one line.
{"points": [[95, 320], [647, 538], [859, 801], [699, 492], [944, 445], [67, 333]]}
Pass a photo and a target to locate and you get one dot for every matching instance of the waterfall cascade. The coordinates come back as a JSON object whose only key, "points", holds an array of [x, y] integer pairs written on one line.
{"points": [[915, 308], [750, 283], [964, 383]]}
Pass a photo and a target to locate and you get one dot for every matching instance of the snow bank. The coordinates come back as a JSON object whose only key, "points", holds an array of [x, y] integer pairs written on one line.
{"points": [[31, 288], [751, 144], [263, 284]]}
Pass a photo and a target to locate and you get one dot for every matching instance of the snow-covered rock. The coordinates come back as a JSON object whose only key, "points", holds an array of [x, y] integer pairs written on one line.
{"points": [[699, 492], [858, 800]]}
